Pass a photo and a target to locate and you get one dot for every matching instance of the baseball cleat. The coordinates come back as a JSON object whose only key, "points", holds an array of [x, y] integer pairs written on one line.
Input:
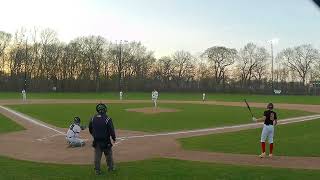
{"points": [[82, 144], [111, 169], [97, 172], [262, 155], [270, 155]]}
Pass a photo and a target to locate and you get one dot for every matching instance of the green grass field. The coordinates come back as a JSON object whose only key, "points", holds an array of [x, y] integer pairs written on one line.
{"points": [[296, 99], [191, 116], [299, 139], [6, 125], [155, 169]]}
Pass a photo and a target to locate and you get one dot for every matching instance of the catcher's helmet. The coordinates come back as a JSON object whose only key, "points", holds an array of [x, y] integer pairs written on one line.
{"points": [[76, 120], [101, 108], [270, 106]]}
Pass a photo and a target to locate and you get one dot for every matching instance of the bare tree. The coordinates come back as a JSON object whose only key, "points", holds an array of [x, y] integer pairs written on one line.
{"points": [[71, 63], [34, 52], [251, 62], [119, 58], [17, 54], [139, 60], [48, 37], [164, 70], [5, 39], [92, 63], [219, 59], [261, 69], [91, 57], [300, 60], [316, 71], [281, 74], [203, 70], [202, 74], [184, 67], [107, 61]]}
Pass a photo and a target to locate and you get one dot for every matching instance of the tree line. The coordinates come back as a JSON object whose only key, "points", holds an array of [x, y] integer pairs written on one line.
{"points": [[39, 61]]}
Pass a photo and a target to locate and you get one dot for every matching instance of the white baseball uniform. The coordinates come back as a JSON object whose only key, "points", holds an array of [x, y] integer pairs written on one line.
{"points": [[120, 94], [24, 95], [73, 136], [154, 96], [203, 96], [268, 128]]}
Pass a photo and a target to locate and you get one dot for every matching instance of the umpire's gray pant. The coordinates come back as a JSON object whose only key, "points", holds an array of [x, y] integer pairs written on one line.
{"points": [[98, 154]]}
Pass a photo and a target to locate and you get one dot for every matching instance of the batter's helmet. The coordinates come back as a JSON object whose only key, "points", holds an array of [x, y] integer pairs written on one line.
{"points": [[76, 120], [270, 106], [101, 108]]}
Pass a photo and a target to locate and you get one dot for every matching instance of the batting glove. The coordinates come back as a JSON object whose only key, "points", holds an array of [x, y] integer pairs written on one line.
{"points": [[254, 119]]}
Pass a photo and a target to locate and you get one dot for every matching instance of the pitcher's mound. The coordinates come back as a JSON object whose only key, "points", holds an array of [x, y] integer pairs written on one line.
{"points": [[152, 110]]}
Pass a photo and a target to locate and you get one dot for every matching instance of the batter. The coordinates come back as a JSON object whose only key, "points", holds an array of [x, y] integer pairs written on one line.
{"points": [[270, 120]]}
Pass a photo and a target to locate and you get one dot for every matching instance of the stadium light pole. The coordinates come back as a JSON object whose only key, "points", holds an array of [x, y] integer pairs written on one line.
{"points": [[272, 65], [272, 41], [121, 43], [25, 67], [120, 65]]}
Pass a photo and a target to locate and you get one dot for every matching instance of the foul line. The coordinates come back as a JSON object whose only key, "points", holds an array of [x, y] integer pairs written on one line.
{"points": [[32, 120], [284, 121]]}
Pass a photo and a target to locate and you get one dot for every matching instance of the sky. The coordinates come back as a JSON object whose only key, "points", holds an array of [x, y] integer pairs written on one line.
{"points": [[165, 26]]}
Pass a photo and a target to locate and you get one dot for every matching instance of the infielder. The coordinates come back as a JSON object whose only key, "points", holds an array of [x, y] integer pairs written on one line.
{"points": [[270, 120], [73, 137], [24, 95], [203, 96], [120, 94], [154, 97]]}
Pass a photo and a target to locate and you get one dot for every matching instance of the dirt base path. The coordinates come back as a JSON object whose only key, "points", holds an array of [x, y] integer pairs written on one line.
{"points": [[42, 142], [152, 110]]}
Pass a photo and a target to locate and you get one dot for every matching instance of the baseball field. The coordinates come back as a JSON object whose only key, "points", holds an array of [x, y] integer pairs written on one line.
{"points": [[183, 138]]}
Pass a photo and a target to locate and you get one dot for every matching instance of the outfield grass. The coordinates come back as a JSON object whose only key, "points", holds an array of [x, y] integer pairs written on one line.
{"points": [[6, 125], [190, 116], [148, 169], [293, 99], [299, 139]]}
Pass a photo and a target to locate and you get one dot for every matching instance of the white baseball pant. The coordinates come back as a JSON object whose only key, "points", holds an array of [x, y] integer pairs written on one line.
{"points": [[75, 142], [267, 132]]}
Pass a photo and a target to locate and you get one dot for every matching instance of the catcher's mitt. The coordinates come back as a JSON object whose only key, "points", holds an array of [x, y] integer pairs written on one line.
{"points": [[83, 127]]}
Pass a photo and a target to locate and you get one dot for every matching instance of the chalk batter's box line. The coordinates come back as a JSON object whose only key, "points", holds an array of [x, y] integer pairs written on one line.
{"points": [[45, 138]]}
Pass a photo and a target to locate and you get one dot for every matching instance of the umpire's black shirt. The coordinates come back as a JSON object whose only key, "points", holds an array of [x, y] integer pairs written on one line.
{"points": [[101, 128]]}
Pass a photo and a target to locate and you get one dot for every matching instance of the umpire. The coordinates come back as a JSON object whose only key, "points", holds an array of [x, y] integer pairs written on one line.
{"points": [[101, 128]]}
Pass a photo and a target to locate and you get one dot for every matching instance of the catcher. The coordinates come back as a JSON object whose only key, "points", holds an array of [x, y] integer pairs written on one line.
{"points": [[73, 137], [270, 120]]}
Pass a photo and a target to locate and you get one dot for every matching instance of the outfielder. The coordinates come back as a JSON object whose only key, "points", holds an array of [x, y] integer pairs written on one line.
{"points": [[270, 120], [120, 94], [24, 95], [154, 97], [73, 137]]}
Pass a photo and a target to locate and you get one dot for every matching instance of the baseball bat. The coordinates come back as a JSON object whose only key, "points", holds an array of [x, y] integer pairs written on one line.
{"points": [[248, 107], [317, 2]]}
